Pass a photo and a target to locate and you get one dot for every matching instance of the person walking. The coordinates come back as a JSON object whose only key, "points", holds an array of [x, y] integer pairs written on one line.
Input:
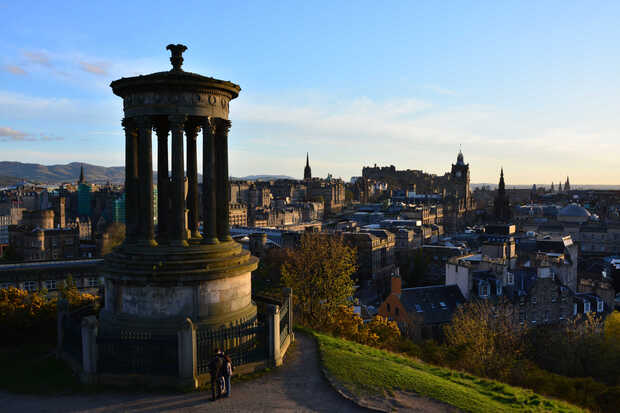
{"points": [[216, 366], [227, 372]]}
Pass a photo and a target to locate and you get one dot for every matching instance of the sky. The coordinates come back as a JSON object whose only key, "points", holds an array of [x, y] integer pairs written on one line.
{"points": [[533, 87]]}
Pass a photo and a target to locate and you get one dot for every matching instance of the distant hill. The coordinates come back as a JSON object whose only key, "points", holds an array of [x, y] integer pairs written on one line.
{"points": [[13, 172], [53, 174], [262, 178], [8, 180]]}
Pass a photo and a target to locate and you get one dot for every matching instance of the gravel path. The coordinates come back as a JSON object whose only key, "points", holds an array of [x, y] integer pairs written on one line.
{"points": [[297, 386]]}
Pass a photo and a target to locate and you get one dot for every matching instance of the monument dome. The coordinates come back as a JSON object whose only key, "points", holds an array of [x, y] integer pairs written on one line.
{"points": [[573, 213]]}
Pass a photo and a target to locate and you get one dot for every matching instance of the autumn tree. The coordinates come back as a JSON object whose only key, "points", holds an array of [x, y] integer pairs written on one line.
{"points": [[114, 236], [486, 338], [319, 272]]}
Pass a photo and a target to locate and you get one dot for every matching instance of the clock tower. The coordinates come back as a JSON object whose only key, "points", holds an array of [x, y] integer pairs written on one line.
{"points": [[460, 179]]}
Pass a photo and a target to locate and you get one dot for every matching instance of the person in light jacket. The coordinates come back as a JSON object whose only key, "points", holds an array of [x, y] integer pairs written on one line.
{"points": [[227, 373]]}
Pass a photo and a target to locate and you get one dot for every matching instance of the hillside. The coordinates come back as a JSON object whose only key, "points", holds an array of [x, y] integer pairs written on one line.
{"points": [[52, 174], [8, 180], [385, 380]]}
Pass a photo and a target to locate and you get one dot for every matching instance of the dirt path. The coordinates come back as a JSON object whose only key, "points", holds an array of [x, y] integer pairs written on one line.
{"points": [[297, 386]]}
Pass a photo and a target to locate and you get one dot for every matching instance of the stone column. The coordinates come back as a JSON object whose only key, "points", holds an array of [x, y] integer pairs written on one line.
{"points": [[222, 184], [178, 228], [187, 354], [273, 323], [209, 205], [191, 132], [145, 173], [131, 180], [89, 348], [163, 182]]}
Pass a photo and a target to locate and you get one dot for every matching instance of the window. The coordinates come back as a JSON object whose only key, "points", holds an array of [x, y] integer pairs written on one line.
{"points": [[443, 305], [50, 284], [522, 300], [397, 310], [418, 308], [4, 286], [534, 300], [600, 306], [94, 282], [510, 278], [388, 307], [498, 289], [534, 316], [547, 315], [554, 297], [484, 290], [521, 317], [575, 309], [30, 285], [586, 307]]}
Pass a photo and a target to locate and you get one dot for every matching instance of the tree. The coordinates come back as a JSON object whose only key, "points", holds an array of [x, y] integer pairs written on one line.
{"points": [[319, 272], [485, 338], [115, 235], [267, 278]]}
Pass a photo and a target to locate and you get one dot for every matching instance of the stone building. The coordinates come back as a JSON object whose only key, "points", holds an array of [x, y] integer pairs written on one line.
{"points": [[238, 215], [375, 257], [37, 244], [52, 275]]}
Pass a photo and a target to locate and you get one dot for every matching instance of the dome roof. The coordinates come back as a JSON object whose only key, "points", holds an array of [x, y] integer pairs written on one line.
{"points": [[573, 210]]}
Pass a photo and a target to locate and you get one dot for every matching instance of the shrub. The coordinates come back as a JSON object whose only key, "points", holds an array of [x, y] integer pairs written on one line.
{"points": [[27, 317]]}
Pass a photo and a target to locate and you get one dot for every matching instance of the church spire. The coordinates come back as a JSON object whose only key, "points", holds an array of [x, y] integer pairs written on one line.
{"points": [[307, 170], [81, 181]]}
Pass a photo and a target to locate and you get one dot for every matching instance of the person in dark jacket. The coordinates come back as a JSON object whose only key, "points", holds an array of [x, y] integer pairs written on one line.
{"points": [[216, 367]]}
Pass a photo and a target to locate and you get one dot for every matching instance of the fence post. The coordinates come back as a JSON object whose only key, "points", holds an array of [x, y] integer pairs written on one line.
{"points": [[89, 348], [186, 337], [273, 319], [61, 311], [288, 295]]}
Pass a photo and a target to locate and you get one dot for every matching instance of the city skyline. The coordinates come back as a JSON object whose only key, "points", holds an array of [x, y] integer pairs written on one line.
{"points": [[531, 89]]}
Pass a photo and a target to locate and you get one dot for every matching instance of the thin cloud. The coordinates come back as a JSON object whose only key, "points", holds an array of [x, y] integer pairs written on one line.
{"points": [[16, 70], [100, 69], [39, 58], [10, 134]]}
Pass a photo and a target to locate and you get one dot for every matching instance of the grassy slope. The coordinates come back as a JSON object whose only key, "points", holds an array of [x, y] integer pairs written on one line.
{"points": [[366, 370]]}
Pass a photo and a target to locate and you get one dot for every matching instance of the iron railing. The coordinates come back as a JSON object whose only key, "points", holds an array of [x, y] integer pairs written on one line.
{"points": [[244, 343], [284, 322], [135, 352]]}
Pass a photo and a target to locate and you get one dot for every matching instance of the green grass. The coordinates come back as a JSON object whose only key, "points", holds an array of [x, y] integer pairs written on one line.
{"points": [[364, 370], [34, 369]]}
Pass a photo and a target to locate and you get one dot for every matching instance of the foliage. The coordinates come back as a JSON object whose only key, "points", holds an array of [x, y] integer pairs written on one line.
{"points": [[26, 315], [580, 348], [379, 332], [267, 278], [484, 338], [115, 237], [319, 272], [31, 316], [365, 370]]}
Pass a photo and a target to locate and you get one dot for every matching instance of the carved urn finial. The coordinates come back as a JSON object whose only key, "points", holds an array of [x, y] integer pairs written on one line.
{"points": [[177, 56]]}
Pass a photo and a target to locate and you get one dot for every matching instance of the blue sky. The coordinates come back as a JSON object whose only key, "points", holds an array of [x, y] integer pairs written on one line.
{"points": [[530, 86]]}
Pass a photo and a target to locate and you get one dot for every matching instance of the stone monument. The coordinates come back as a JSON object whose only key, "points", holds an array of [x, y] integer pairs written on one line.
{"points": [[161, 276]]}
